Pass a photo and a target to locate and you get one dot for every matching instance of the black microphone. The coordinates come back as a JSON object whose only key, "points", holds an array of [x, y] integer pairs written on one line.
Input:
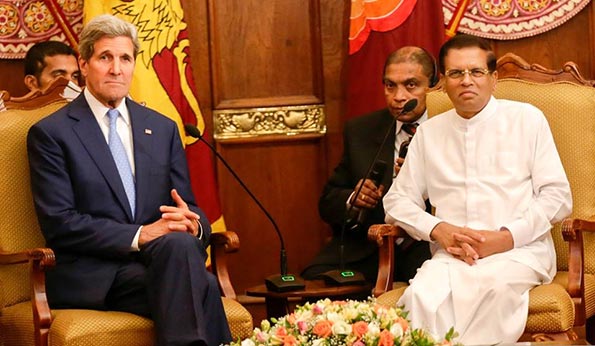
{"points": [[344, 276], [282, 282], [376, 176]]}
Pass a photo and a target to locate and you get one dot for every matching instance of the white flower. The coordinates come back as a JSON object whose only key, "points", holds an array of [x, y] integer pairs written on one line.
{"points": [[248, 342], [341, 328], [319, 342], [396, 330], [334, 317], [373, 329]]}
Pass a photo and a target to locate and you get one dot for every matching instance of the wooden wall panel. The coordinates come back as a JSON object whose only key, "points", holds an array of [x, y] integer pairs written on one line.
{"points": [[285, 177], [572, 41], [265, 53], [272, 54], [12, 75]]}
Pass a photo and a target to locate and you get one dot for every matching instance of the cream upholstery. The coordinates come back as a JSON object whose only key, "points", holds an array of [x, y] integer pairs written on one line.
{"points": [[19, 231], [569, 106]]}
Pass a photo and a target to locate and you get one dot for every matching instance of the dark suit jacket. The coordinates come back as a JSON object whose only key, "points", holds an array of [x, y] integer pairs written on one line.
{"points": [[362, 139], [80, 200]]}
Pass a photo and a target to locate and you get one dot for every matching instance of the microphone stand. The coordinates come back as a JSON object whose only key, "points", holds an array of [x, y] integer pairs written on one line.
{"points": [[344, 276], [282, 282]]}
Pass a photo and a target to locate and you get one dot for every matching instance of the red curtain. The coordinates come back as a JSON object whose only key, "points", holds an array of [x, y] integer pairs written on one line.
{"points": [[424, 28]]}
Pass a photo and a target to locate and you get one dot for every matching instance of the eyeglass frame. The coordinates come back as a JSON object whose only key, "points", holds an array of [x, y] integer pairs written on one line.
{"points": [[482, 73]]}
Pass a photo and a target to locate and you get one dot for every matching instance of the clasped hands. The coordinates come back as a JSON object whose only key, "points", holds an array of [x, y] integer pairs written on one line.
{"points": [[468, 244], [178, 218]]}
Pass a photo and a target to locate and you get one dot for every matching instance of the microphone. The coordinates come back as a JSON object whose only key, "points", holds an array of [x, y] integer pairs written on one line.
{"points": [[282, 282], [344, 276], [361, 214]]}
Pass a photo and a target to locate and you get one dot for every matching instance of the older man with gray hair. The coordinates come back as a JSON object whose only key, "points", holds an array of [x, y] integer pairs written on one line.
{"points": [[113, 198]]}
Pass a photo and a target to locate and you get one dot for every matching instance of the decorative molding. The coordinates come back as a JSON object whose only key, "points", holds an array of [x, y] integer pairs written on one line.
{"points": [[257, 122]]}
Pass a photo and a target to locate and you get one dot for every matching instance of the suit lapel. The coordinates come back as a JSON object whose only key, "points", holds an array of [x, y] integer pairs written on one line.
{"points": [[92, 139], [387, 153]]}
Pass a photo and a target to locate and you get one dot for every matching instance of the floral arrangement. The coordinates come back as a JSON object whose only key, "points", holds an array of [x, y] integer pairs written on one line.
{"points": [[351, 323]]}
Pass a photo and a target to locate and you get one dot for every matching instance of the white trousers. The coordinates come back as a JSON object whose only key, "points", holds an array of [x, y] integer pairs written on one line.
{"points": [[487, 303]]}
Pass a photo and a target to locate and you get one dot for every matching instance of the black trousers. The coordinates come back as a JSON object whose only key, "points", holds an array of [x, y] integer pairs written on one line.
{"points": [[171, 285]]}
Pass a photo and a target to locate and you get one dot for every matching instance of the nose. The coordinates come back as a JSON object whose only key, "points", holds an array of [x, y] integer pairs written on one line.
{"points": [[115, 68], [467, 78], [400, 93]]}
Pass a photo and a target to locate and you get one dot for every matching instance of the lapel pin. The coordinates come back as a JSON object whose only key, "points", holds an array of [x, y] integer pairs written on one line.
{"points": [[148, 132]]}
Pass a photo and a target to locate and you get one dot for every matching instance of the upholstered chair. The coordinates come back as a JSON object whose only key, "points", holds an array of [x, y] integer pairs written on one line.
{"points": [[25, 317], [557, 311]]}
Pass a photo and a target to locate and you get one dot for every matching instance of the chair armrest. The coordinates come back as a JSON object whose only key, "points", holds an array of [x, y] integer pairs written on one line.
{"points": [[384, 236], [572, 232], [223, 243], [39, 260]]}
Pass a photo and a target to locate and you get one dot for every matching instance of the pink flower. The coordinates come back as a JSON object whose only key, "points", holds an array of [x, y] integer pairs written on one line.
{"points": [[261, 336], [302, 326], [317, 309], [359, 329], [386, 338], [358, 343]]}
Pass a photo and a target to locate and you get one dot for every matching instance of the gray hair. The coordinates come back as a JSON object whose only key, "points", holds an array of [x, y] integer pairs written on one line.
{"points": [[105, 25]]}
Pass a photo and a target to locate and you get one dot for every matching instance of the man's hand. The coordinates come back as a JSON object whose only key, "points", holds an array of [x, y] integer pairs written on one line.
{"points": [[173, 219], [448, 236], [495, 241], [368, 196], [398, 164]]}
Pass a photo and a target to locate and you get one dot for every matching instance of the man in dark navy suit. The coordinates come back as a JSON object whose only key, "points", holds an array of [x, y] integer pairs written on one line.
{"points": [[113, 198], [408, 74]]}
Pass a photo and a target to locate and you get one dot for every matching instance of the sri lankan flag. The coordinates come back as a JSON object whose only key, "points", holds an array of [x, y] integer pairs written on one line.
{"points": [[163, 80]]}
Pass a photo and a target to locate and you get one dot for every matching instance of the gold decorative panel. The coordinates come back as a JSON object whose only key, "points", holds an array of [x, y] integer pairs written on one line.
{"points": [[256, 122]]}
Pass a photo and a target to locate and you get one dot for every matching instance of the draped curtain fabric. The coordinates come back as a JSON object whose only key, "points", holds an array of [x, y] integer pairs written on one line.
{"points": [[512, 19], [26, 22]]}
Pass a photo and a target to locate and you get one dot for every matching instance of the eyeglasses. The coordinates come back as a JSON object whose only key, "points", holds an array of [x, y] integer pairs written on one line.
{"points": [[474, 73]]}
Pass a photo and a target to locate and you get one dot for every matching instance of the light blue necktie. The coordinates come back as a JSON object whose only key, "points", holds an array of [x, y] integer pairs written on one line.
{"points": [[120, 157]]}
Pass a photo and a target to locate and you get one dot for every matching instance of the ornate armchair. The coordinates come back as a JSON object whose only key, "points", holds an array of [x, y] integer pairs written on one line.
{"points": [[559, 310], [25, 317]]}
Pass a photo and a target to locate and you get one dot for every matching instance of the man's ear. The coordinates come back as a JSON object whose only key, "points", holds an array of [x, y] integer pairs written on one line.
{"points": [[31, 82]]}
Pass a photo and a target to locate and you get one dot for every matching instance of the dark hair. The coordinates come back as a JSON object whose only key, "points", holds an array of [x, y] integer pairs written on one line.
{"points": [[415, 55], [35, 58], [467, 41]]}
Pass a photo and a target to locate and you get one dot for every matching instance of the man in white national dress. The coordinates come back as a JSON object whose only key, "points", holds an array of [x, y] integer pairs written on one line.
{"points": [[491, 170]]}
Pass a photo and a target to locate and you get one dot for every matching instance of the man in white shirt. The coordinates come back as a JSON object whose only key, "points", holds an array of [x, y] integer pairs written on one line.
{"points": [[491, 170]]}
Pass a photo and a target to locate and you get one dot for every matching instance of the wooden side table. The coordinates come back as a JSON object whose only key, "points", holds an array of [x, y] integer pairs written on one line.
{"points": [[277, 304]]}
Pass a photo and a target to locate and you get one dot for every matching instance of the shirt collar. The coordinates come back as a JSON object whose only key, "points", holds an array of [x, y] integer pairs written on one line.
{"points": [[99, 110]]}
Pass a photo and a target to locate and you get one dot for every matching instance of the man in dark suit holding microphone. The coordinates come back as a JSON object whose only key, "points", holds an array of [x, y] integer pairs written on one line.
{"points": [[408, 74], [113, 198]]}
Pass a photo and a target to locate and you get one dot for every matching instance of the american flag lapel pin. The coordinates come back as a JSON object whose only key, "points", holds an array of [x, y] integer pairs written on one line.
{"points": [[148, 132]]}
